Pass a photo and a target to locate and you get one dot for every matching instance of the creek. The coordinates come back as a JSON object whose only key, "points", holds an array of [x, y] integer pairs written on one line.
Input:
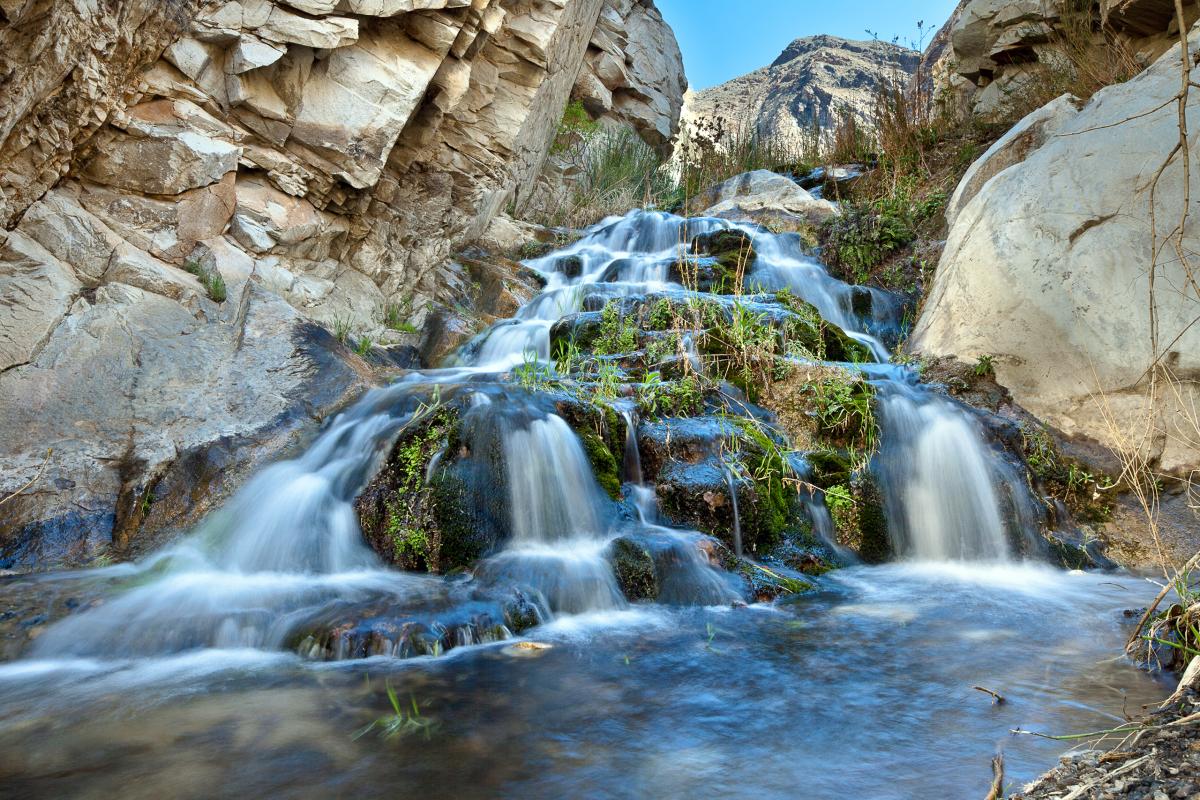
{"points": [[234, 662]]}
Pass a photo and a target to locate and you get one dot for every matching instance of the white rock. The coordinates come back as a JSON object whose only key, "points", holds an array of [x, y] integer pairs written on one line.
{"points": [[134, 267], [359, 99], [250, 52], [325, 34], [752, 194], [1046, 269], [159, 160], [72, 234]]}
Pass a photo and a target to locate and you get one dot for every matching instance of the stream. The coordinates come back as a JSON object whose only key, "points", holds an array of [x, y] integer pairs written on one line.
{"points": [[200, 670]]}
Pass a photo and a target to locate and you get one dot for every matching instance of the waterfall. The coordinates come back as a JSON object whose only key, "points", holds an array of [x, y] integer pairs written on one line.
{"points": [[939, 480], [558, 542]]}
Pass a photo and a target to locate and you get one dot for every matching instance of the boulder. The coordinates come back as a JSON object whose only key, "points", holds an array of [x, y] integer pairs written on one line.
{"points": [[761, 196], [1046, 267], [154, 415], [1012, 148], [160, 160]]}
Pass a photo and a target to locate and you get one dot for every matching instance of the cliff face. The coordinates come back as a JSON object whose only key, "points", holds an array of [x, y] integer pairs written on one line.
{"points": [[815, 79], [1001, 45], [321, 158]]}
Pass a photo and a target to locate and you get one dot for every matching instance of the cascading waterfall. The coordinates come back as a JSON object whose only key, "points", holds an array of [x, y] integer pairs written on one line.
{"points": [[288, 544], [558, 539]]}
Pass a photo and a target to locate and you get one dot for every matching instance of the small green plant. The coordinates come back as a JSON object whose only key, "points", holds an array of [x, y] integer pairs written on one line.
{"points": [[534, 375], [211, 280], [402, 721], [395, 316], [341, 329], [984, 366], [365, 343], [842, 407], [618, 333]]}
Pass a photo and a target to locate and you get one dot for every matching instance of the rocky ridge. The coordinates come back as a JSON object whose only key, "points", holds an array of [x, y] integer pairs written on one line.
{"points": [[195, 193], [813, 82]]}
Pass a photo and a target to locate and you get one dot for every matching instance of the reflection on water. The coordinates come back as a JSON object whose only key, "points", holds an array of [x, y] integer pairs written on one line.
{"points": [[863, 688]]}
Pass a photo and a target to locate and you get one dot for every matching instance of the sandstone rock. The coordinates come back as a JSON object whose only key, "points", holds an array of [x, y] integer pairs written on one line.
{"points": [[328, 33], [73, 235], [1002, 45], [63, 68], [36, 289], [159, 160], [1012, 148], [761, 196], [137, 268], [1046, 269], [136, 393], [359, 99], [325, 157]]}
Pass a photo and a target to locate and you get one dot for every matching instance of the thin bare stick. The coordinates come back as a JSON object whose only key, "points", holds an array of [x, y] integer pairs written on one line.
{"points": [[32, 480], [997, 790], [997, 699]]}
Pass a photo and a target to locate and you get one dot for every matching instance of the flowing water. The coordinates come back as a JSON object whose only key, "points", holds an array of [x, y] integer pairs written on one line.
{"points": [[200, 672]]}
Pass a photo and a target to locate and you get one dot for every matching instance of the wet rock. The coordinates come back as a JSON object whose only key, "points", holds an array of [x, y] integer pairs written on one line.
{"points": [[860, 523], [634, 568]]}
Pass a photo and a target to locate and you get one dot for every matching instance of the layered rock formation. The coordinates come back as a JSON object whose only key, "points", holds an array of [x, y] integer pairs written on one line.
{"points": [[813, 82], [1048, 262], [187, 187], [1002, 45]]}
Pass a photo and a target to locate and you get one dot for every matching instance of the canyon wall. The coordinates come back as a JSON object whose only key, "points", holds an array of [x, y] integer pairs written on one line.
{"points": [[195, 193]]}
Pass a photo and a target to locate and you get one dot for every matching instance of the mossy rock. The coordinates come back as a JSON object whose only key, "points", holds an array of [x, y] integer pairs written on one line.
{"points": [[604, 463], [859, 519], [634, 568]]}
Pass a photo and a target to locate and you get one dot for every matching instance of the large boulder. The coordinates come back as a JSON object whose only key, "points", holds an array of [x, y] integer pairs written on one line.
{"points": [[765, 197], [1046, 271]]}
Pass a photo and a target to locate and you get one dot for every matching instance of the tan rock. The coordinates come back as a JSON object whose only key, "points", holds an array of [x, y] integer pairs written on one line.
{"points": [[160, 160], [36, 290], [72, 235], [134, 267]]}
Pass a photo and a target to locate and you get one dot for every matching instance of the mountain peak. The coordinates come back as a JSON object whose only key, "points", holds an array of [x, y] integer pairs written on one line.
{"points": [[824, 41]]}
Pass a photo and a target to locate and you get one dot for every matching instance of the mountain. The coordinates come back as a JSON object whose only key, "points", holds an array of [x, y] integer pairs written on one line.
{"points": [[814, 78]]}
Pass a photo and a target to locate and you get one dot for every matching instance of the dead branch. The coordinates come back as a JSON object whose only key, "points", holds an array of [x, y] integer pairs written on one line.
{"points": [[32, 480], [997, 790], [997, 699]]}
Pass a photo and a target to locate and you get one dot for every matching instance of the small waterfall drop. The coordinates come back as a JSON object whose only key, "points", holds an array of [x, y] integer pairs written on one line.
{"points": [[558, 540], [939, 480]]}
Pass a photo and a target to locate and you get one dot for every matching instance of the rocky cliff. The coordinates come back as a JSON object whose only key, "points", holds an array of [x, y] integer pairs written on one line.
{"points": [[1001, 46], [814, 80], [193, 193]]}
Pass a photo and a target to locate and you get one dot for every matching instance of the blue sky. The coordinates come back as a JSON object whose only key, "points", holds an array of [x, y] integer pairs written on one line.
{"points": [[722, 39]]}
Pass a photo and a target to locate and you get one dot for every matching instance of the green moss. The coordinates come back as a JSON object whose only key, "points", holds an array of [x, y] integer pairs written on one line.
{"points": [[617, 335], [604, 464], [634, 569]]}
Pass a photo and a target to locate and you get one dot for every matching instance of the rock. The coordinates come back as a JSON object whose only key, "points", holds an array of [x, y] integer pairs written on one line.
{"points": [[633, 566], [36, 289], [72, 234], [136, 395], [325, 157], [812, 83], [1058, 298], [1012, 148], [159, 160], [1001, 46], [761, 196], [134, 267]]}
